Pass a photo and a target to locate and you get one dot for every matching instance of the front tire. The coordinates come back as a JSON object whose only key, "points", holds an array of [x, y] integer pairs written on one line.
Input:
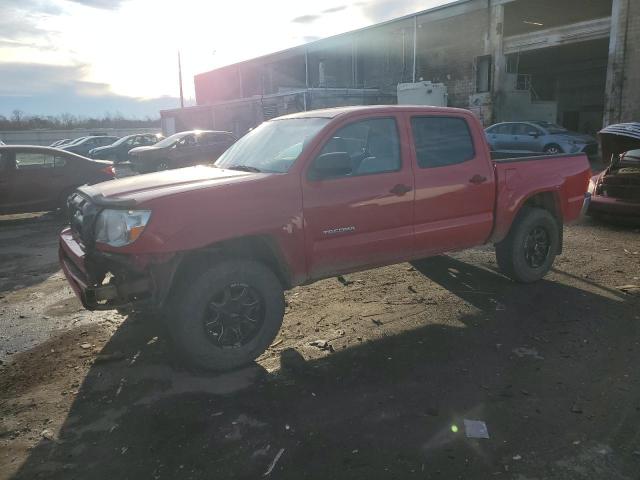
{"points": [[227, 316], [528, 251]]}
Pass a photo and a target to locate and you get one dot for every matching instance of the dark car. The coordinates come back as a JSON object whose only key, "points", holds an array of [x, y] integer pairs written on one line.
{"points": [[181, 150], [119, 150], [83, 146], [615, 192], [539, 137], [34, 179]]}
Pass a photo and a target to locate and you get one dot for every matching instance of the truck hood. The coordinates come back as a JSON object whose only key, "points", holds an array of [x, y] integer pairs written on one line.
{"points": [[131, 191]]}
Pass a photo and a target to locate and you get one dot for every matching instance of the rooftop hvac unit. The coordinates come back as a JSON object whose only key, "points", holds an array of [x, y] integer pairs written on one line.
{"points": [[422, 93]]}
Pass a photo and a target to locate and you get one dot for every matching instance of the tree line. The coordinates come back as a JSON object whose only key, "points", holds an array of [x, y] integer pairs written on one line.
{"points": [[19, 120]]}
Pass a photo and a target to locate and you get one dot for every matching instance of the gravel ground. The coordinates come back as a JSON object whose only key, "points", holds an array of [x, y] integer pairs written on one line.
{"points": [[371, 377]]}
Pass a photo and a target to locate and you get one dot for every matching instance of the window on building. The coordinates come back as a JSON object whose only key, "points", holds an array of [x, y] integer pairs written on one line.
{"points": [[483, 74], [441, 141], [372, 145]]}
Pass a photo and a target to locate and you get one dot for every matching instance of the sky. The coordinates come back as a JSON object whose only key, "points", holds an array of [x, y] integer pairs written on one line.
{"points": [[92, 57]]}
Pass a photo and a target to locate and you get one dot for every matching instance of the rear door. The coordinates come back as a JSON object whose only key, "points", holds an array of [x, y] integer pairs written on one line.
{"points": [[499, 136], [525, 137], [363, 216], [454, 183]]}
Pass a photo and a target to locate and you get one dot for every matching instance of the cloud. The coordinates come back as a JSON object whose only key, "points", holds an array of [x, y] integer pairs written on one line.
{"points": [[306, 19], [104, 4], [41, 89], [335, 9]]}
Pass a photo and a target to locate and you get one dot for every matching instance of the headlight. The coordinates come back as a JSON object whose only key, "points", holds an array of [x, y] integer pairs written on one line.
{"points": [[121, 227]]}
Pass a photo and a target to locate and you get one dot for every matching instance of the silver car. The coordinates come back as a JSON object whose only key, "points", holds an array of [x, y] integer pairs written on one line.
{"points": [[538, 137]]}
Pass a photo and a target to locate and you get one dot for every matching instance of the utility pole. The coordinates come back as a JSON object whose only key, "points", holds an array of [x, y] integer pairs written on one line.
{"points": [[180, 80]]}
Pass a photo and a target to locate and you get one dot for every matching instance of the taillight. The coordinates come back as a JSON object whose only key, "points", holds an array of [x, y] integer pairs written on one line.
{"points": [[109, 170]]}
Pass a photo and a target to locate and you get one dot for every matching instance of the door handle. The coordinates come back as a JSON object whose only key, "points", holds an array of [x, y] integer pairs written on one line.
{"points": [[400, 189], [477, 179]]}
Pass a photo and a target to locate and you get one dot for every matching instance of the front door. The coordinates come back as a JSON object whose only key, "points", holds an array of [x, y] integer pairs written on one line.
{"points": [[455, 186], [360, 216]]}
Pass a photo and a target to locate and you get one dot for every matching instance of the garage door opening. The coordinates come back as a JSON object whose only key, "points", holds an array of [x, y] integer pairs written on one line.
{"points": [[573, 76]]}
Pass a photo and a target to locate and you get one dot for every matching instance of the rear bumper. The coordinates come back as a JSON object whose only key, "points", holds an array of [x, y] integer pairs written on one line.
{"points": [[86, 279]]}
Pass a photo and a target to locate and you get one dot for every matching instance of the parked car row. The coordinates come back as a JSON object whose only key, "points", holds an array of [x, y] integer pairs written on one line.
{"points": [[26, 172]]}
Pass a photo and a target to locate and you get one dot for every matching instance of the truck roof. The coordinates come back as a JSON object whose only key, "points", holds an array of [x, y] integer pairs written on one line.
{"points": [[338, 111]]}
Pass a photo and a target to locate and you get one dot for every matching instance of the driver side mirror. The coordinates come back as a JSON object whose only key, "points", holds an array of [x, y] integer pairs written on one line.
{"points": [[331, 165]]}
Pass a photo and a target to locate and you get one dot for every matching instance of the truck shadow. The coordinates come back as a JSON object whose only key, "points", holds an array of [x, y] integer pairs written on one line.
{"points": [[529, 360]]}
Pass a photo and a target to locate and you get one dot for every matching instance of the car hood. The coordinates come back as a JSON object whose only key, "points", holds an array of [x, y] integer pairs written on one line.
{"points": [[132, 191]]}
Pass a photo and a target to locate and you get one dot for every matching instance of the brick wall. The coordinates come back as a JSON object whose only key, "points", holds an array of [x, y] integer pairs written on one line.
{"points": [[447, 50]]}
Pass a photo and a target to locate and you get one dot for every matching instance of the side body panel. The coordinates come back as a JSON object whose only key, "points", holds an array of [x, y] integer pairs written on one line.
{"points": [[565, 176]]}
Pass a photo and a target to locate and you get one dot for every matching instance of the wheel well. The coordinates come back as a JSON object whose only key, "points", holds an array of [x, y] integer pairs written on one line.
{"points": [[260, 248], [546, 201], [552, 144]]}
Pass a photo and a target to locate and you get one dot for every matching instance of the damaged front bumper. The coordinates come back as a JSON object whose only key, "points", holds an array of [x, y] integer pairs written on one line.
{"points": [[105, 281]]}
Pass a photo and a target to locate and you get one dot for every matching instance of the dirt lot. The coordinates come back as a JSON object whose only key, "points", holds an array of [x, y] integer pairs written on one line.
{"points": [[552, 369]]}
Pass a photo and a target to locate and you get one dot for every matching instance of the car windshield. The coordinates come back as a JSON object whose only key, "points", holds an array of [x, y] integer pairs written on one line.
{"points": [[273, 146], [551, 127], [167, 142], [121, 140], [76, 141]]}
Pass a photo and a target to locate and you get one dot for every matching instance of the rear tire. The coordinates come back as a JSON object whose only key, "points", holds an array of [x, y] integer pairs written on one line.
{"points": [[528, 251], [553, 149], [227, 316]]}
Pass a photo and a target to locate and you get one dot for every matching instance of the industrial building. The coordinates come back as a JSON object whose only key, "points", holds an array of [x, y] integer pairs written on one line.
{"points": [[574, 62]]}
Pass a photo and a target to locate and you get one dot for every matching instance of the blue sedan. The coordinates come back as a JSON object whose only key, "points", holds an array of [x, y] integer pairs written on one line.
{"points": [[538, 137]]}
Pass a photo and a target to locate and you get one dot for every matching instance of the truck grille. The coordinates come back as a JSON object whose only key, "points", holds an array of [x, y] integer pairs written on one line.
{"points": [[82, 215]]}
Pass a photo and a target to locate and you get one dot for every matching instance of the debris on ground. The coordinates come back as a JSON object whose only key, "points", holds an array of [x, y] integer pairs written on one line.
{"points": [[344, 281], [109, 357], [517, 457], [527, 352], [273, 464], [47, 434], [576, 408], [630, 289], [85, 346], [475, 429], [322, 345]]}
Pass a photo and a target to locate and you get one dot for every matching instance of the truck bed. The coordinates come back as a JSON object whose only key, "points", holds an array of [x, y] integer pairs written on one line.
{"points": [[564, 177]]}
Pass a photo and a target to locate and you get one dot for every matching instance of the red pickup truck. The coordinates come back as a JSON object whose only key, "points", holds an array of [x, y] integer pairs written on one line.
{"points": [[305, 197]]}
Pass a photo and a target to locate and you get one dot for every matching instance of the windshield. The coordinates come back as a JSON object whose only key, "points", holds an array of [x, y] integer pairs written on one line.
{"points": [[167, 142], [273, 146], [122, 140], [551, 127], [76, 141]]}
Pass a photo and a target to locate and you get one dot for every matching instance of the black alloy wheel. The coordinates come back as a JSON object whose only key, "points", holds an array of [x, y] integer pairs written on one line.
{"points": [[537, 245], [234, 316]]}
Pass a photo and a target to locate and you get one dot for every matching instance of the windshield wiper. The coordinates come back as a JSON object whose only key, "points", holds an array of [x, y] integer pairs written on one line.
{"points": [[245, 168]]}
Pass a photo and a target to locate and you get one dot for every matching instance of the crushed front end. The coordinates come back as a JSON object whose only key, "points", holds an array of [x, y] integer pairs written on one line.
{"points": [[105, 280]]}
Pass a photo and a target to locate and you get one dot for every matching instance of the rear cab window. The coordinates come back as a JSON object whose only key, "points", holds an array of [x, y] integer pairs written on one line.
{"points": [[441, 141]]}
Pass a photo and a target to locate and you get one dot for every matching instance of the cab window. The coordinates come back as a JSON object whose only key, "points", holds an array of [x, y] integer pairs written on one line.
{"points": [[441, 141], [371, 146]]}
